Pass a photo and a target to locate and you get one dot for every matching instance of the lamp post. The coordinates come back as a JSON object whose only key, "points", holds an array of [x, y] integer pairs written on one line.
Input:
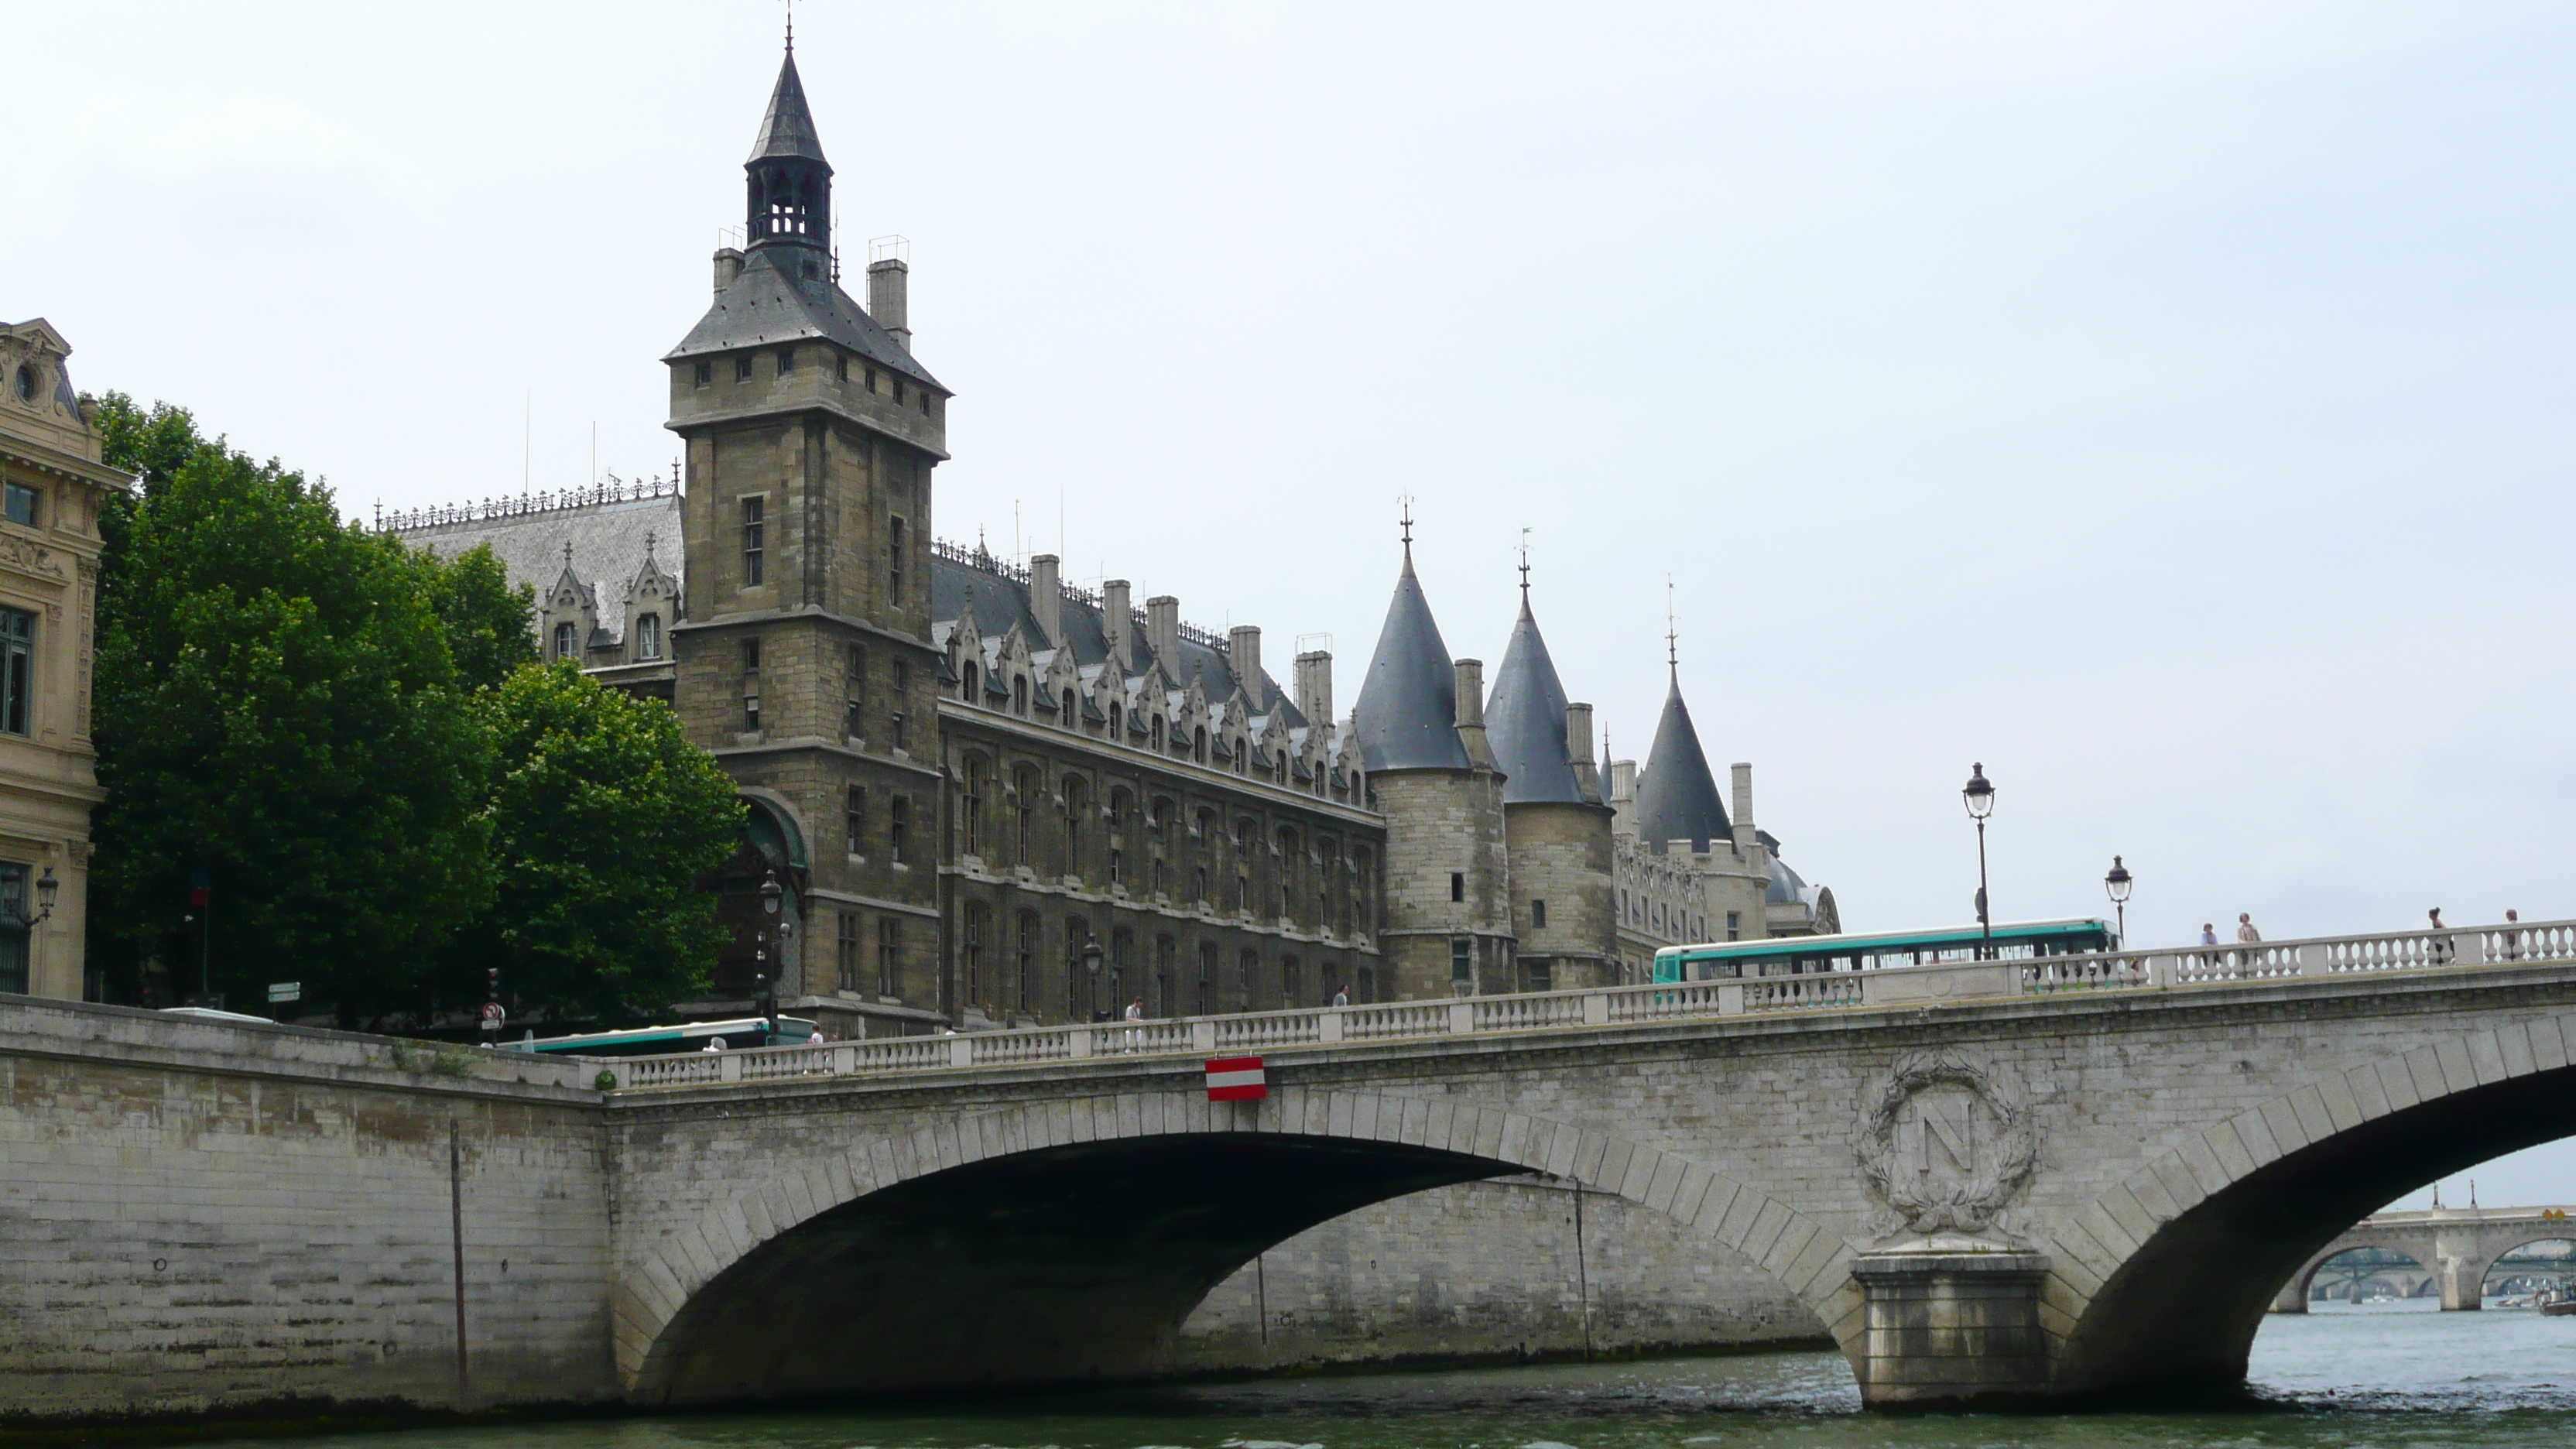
{"points": [[493, 1014], [771, 893], [1091, 955], [2118, 883], [1979, 796]]}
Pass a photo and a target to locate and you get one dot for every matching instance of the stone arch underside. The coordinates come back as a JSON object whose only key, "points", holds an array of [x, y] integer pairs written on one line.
{"points": [[1066, 1241], [2415, 1248], [2161, 1284]]}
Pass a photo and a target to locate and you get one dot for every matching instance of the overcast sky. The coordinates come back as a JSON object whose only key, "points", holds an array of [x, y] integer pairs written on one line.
{"points": [[2166, 406]]}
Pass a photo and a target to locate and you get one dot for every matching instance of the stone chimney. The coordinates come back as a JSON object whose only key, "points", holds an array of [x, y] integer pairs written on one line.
{"points": [[1471, 712], [1578, 749], [1118, 622], [1744, 841], [1243, 656], [1163, 631], [1623, 795], [889, 285], [1315, 687], [1046, 598], [728, 267]]}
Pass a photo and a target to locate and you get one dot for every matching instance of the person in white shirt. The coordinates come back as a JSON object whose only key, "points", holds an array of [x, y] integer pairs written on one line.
{"points": [[2245, 932]]}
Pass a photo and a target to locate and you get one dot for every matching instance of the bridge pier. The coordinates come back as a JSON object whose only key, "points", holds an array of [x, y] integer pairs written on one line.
{"points": [[2293, 1297], [1951, 1328], [2463, 1284]]}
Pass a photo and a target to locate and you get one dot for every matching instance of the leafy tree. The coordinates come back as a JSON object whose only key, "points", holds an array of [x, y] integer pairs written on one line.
{"points": [[277, 706], [602, 817], [491, 627]]}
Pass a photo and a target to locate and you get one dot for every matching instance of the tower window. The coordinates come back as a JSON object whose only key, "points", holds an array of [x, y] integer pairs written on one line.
{"points": [[898, 827], [854, 817], [1735, 925], [742, 368], [841, 365], [754, 532], [706, 373], [872, 379], [751, 714], [894, 560], [925, 404], [1457, 885], [751, 655], [898, 392], [786, 361], [889, 956], [849, 952], [1462, 961], [1538, 914]]}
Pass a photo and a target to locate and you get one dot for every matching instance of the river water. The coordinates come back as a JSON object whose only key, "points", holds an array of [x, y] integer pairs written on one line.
{"points": [[2384, 1376]]}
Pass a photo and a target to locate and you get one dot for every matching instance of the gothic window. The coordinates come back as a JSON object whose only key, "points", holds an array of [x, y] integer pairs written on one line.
{"points": [[1363, 882], [1158, 734], [1072, 825], [1122, 951], [1289, 856], [648, 636], [898, 826], [1024, 979], [565, 636], [1247, 980], [1116, 734], [966, 685], [854, 818], [1291, 982], [972, 816], [753, 532], [1457, 885], [1206, 997], [853, 684], [1538, 914], [849, 951], [902, 687], [1167, 1001], [1243, 838], [1198, 745], [1020, 695], [1024, 784], [894, 560], [889, 956], [1066, 703]]}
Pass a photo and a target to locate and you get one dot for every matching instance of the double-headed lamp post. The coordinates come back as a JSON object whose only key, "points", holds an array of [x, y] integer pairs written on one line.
{"points": [[770, 895], [2118, 883], [1979, 796]]}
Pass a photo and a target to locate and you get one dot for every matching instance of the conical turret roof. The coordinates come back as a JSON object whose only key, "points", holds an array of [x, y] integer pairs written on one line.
{"points": [[788, 129], [1525, 720], [1677, 797], [1408, 708]]}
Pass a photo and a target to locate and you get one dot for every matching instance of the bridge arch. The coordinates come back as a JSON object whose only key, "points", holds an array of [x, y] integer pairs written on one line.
{"points": [[2161, 1282], [1065, 1240]]}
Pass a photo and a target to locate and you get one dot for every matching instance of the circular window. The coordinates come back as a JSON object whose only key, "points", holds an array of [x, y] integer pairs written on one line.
{"points": [[26, 383]]}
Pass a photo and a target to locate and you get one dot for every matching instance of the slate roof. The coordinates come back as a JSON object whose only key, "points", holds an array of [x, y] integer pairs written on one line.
{"points": [[1408, 706], [1525, 721], [788, 128], [999, 601], [768, 304], [607, 541], [1676, 796]]}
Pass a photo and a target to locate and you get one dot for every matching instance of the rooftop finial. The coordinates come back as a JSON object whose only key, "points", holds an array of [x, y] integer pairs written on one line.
{"points": [[1407, 520], [1672, 632], [791, 27], [648, 547], [567, 553], [1525, 533]]}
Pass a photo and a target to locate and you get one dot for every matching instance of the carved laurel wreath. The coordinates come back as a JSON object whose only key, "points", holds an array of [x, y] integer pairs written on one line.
{"points": [[2000, 1171]]}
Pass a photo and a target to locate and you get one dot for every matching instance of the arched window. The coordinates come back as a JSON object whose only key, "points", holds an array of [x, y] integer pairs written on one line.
{"points": [[1020, 695], [1117, 735], [1289, 857], [966, 689], [1024, 784], [1158, 734], [564, 639], [1064, 703], [648, 636], [978, 922], [1198, 745], [1073, 825], [971, 811]]}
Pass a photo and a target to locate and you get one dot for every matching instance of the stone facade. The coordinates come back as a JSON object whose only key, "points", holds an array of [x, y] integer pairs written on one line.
{"points": [[54, 485]]}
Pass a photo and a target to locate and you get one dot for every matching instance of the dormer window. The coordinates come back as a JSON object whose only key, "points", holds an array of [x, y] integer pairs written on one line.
{"points": [[566, 638], [648, 636], [26, 382]]}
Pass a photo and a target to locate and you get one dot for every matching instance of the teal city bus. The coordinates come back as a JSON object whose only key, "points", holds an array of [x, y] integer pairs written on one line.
{"points": [[654, 1041], [1800, 955]]}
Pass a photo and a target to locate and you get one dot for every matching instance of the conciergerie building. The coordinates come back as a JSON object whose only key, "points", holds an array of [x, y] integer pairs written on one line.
{"points": [[991, 797]]}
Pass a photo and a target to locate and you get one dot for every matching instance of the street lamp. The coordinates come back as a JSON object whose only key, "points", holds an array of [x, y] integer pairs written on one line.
{"points": [[1091, 956], [16, 910], [771, 893], [2118, 883], [1979, 796]]}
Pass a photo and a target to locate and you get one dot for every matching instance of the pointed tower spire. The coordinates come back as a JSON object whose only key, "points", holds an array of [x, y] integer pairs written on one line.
{"points": [[1407, 714], [787, 185], [1525, 719], [1677, 796]]}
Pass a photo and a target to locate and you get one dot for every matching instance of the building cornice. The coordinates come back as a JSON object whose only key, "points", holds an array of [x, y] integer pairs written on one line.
{"points": [[1189, 770]]}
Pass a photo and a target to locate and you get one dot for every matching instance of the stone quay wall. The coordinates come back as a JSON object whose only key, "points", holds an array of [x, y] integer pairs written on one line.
{"points": [[1489, 1270], [200, 1217]]}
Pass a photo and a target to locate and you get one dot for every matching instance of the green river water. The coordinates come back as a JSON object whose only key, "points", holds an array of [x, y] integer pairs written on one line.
{"points": [[2394, 1376]]}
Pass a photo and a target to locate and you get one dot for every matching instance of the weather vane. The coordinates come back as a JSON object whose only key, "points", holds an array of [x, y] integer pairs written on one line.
{"points": [[1407, 500], [1672, 630], [1525, 533]]}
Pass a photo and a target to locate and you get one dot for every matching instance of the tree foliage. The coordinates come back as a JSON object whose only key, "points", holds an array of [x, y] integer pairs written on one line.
{"points": [[602, 817], [352, 740]]}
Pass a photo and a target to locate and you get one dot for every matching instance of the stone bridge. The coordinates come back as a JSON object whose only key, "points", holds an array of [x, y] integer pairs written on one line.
{"points": [[1992, 1181], [2458, 1246]]}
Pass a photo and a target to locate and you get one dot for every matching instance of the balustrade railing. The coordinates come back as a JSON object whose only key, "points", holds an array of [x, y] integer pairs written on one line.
{"points": [[2323, 960]]}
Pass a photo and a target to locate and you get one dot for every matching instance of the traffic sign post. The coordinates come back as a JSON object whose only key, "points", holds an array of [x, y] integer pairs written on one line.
{"points": [[284, 991]]}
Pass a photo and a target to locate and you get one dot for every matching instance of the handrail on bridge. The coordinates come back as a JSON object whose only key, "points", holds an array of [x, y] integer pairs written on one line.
{"points": [[2322, 958]]}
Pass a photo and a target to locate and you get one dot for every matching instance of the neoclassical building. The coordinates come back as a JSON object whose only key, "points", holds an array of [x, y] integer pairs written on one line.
{"points": [[993, 797], [52, 484]]}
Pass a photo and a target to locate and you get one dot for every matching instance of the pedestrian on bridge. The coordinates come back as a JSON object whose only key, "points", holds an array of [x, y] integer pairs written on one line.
{"points": [[2208, 934], [2245, 933]]}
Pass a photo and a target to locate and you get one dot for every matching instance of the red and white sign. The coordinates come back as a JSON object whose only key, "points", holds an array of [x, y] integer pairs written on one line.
{"points": [[1236, 1079], [493, 1016]]}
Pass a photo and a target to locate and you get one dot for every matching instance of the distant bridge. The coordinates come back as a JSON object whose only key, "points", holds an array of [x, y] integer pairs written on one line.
{"points": [[2460, 1247], [1991, 1181]]}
